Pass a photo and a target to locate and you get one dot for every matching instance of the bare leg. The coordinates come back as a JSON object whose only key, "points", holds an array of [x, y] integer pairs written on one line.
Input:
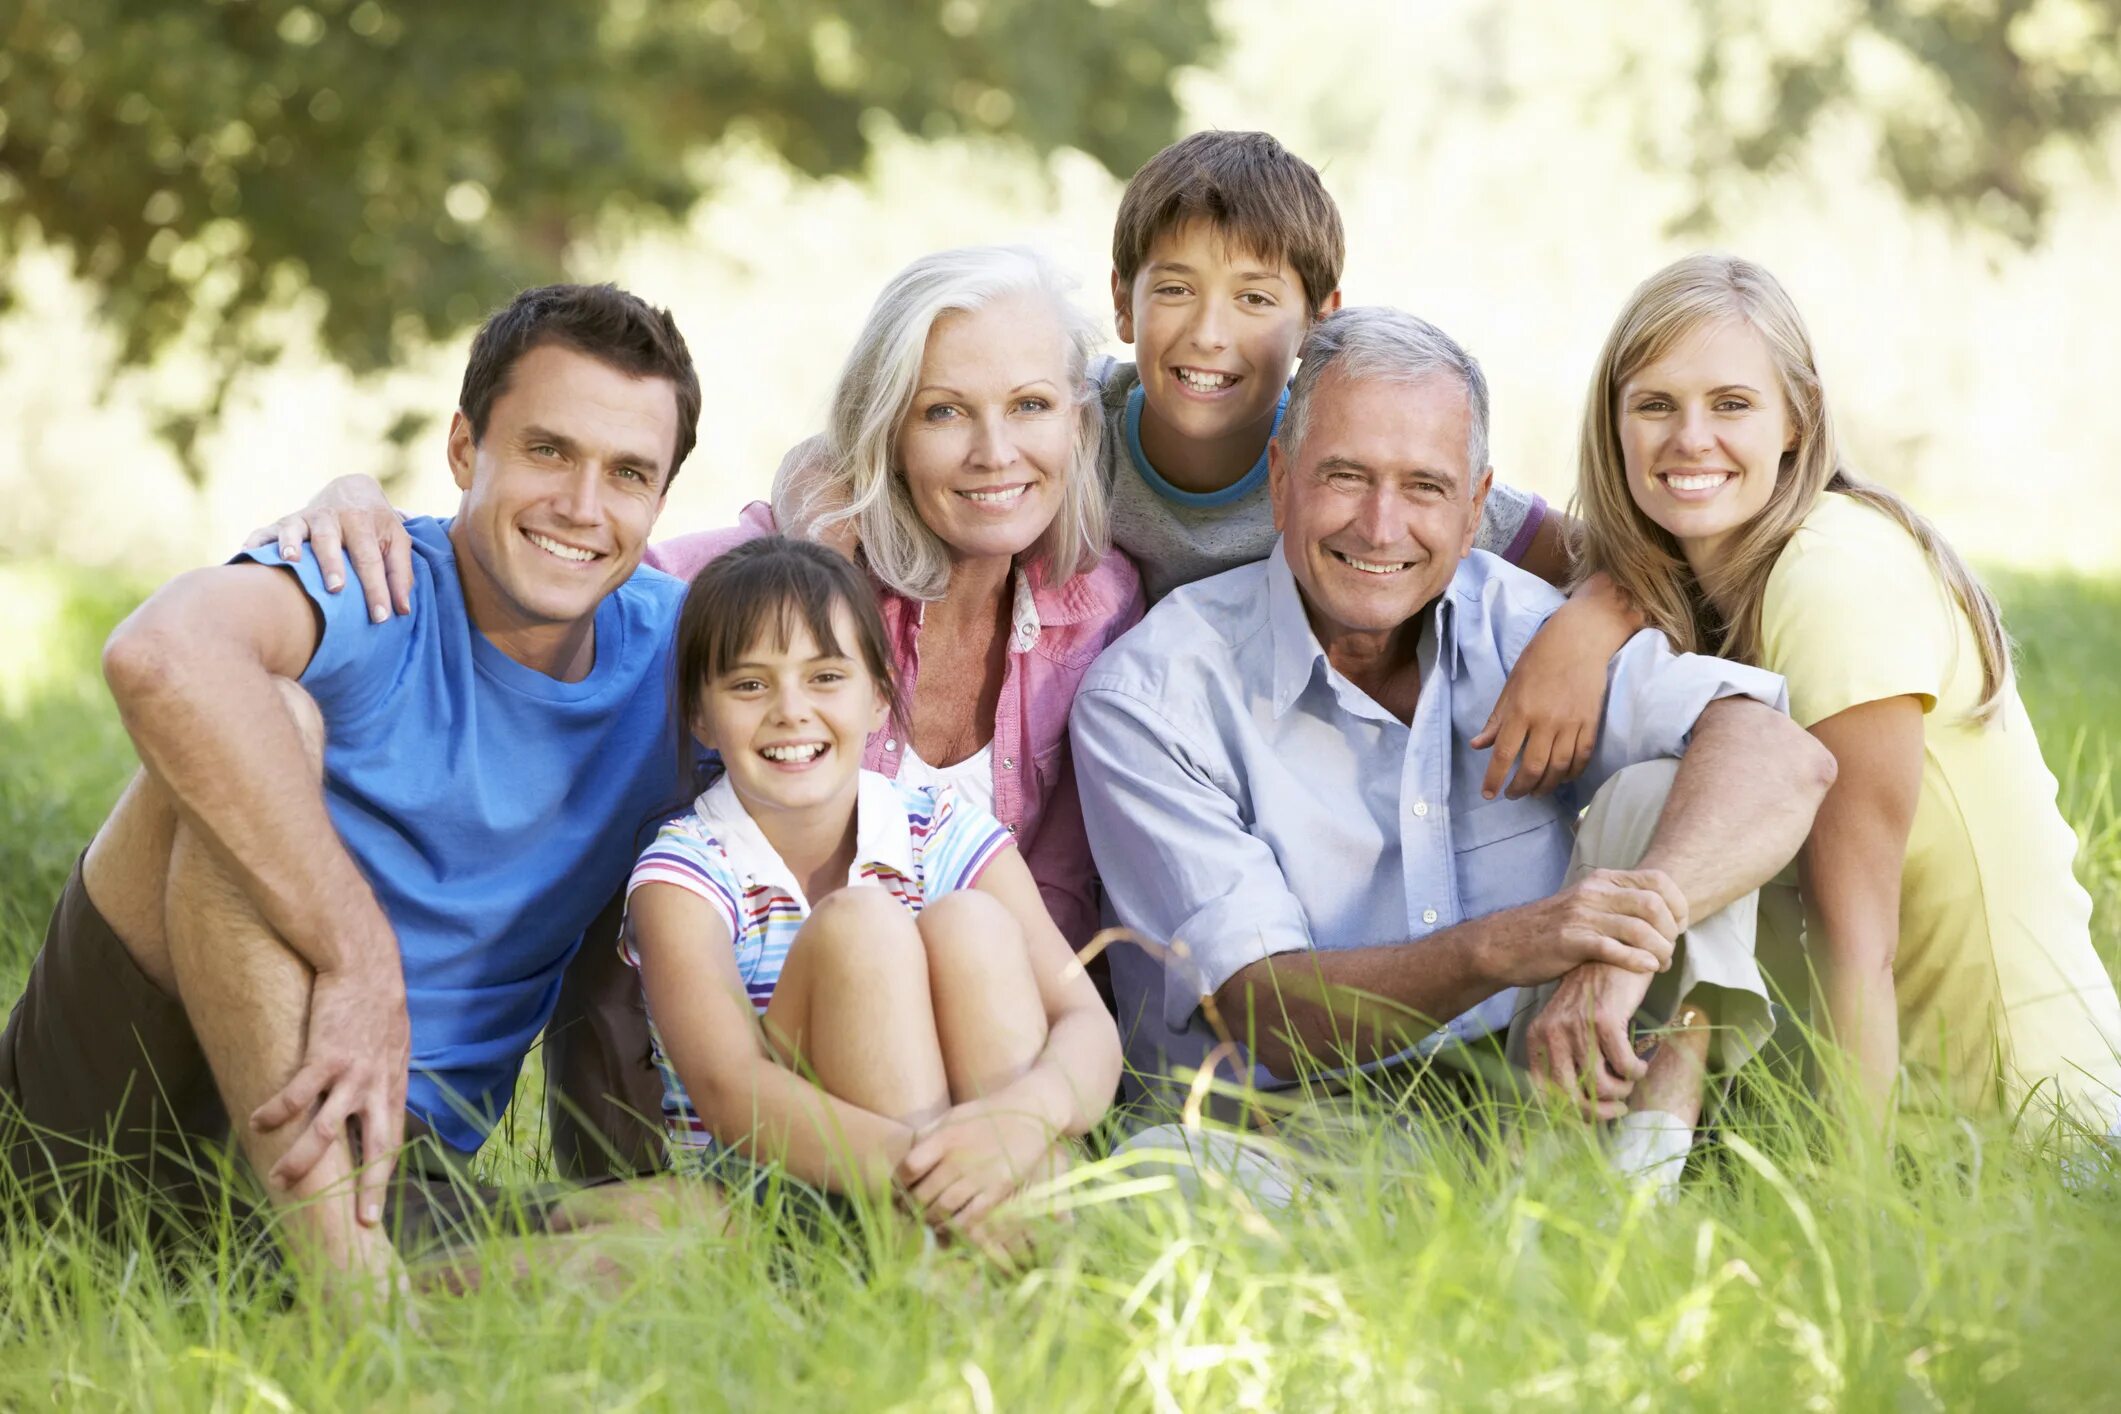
{"points": [[989, 1017], [852, 1008], [604, 1236], [126, 873], [1678, 1071], [247, 994]]}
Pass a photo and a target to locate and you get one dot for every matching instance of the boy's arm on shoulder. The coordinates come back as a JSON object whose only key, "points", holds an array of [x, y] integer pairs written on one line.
{"points": [[1546, 553], [197, 673]]}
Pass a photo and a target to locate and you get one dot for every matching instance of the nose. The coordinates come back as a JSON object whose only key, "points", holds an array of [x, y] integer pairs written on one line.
{"points": [[1694, 433], [1376, 517], [994, 448], [790, 702], [579, 500], [1209, 331]]}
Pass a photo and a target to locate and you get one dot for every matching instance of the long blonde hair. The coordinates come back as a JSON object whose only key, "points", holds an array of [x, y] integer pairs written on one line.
{"points": [[1645, 560]]}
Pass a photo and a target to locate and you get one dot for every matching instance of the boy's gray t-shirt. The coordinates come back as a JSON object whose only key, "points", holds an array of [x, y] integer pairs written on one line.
{"points": [[1179, 536]]}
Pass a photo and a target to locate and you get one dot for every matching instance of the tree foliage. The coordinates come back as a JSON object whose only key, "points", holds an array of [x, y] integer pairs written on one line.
{"points": [[412, 162], [1974, 104]]}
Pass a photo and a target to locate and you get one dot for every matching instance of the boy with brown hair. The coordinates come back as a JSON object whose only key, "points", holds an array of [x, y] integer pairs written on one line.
{"points": [[1226, 251]]}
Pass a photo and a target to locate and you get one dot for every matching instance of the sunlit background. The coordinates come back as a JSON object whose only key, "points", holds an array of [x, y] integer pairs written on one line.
{"points": [[1508, 170]]}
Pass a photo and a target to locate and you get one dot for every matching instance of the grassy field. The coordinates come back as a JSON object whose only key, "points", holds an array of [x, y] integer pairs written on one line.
{"points": [[1789, 1274]]}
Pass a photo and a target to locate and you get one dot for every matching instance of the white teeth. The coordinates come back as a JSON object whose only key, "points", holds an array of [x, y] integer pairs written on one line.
{"points": [[1372, 566], [997, 498], [1201, 382], [808, 751], [1698, 482], [554, 547]]}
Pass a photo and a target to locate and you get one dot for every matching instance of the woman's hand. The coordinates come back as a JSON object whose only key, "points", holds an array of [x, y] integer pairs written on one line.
{"points": [[1546, 721], [350, 518], [970, 1161]]}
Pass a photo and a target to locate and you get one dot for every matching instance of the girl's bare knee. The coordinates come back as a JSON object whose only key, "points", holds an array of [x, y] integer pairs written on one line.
{"points": [[968, 919], [861, 929]]}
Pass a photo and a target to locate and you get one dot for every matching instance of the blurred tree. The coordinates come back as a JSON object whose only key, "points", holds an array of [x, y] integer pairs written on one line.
{"points": [[413, 162], [1975, 104]]}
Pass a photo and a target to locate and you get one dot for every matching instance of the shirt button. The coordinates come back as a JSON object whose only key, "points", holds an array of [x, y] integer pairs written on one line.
{"points": [[1008, 763], [1010, 828], [1428, 915], [1421, 807], [890, 744]]}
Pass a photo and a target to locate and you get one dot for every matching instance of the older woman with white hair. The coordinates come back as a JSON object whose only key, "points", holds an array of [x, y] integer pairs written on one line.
{"points": [[960, 457]]}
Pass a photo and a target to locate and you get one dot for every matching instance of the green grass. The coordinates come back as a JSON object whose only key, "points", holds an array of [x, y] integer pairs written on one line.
{"points": [[1790, 1273]]}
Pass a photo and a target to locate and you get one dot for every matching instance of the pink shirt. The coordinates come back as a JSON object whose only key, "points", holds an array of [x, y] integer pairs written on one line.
{"points": [[1034, 775]]}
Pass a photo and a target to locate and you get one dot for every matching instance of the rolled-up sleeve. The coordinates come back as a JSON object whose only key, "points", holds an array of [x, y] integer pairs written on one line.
{"points": [[1654, 697], [1172, 850]]}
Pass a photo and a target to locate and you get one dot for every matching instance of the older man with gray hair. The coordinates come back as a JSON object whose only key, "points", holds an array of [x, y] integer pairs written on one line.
{"points": [[1278, 781]]}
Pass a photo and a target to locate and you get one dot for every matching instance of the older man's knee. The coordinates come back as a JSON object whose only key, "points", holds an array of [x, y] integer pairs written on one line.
{"points": [[1623, 815]]}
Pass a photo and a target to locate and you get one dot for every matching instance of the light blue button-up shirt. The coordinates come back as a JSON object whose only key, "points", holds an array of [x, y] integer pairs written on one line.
{"points": [[1246, 799]]}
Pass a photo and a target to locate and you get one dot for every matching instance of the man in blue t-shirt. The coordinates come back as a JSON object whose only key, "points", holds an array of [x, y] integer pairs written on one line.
{"points": [[331, 971]]}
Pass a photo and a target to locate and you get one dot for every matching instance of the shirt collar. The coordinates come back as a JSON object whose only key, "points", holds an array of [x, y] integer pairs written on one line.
{"points": [[1297, 652], [1296, 648], [882, 837], [1024, 622], [1244, 486]]}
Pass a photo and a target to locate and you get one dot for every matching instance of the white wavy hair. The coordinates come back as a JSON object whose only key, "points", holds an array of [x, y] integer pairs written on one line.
{"points": [[856, 477]]}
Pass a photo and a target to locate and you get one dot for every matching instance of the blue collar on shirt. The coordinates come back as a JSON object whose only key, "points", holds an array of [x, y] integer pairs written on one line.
{"points": [[1244, 486], [1297, 652]]}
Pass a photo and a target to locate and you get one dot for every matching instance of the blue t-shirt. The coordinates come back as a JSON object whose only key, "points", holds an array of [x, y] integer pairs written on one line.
{"points": [[493, 809]]}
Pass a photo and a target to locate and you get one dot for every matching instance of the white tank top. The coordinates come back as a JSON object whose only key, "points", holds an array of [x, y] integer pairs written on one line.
{"points": [[972, 778]]}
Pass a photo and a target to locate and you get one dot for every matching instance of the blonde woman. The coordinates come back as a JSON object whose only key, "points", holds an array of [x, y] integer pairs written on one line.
{"points": [[1942, 922]]}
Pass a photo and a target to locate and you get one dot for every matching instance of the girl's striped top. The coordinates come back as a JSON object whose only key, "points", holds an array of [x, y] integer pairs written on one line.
{"points": [[916, 843]]}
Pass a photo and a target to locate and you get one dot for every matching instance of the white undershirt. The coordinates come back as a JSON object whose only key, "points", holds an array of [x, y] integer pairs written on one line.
{"points": [[972, 778]]}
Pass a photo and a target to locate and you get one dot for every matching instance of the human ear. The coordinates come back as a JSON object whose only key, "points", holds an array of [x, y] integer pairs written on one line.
{"points": [[1326, 306], [702, 732], [463, 450], [1480, 505], [1277, 478], [1122, 309]]}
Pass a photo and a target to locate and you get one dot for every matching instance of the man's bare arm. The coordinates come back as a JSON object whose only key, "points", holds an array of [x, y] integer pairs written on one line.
{"points": [[1349, 1006], [192, 671], [1741, 805], [196, 674]]}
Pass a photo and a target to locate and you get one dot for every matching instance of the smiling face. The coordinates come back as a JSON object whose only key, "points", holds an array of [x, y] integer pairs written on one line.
{"points": [[559, 497], [1703, 431], [986, 445], [1377, 506], [1215, 333], [790, 719]]}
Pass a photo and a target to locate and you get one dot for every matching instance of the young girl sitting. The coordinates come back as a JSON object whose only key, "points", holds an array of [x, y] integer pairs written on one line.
{"points": [[848, 977]]}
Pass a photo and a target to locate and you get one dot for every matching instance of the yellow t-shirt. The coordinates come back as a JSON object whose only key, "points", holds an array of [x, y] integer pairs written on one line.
{"points": [[2001, 993]]}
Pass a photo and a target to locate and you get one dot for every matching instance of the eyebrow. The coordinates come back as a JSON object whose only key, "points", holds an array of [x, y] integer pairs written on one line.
{"points": [[949, 392], [1251, 276], [749, 667], [1719, 388]]}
